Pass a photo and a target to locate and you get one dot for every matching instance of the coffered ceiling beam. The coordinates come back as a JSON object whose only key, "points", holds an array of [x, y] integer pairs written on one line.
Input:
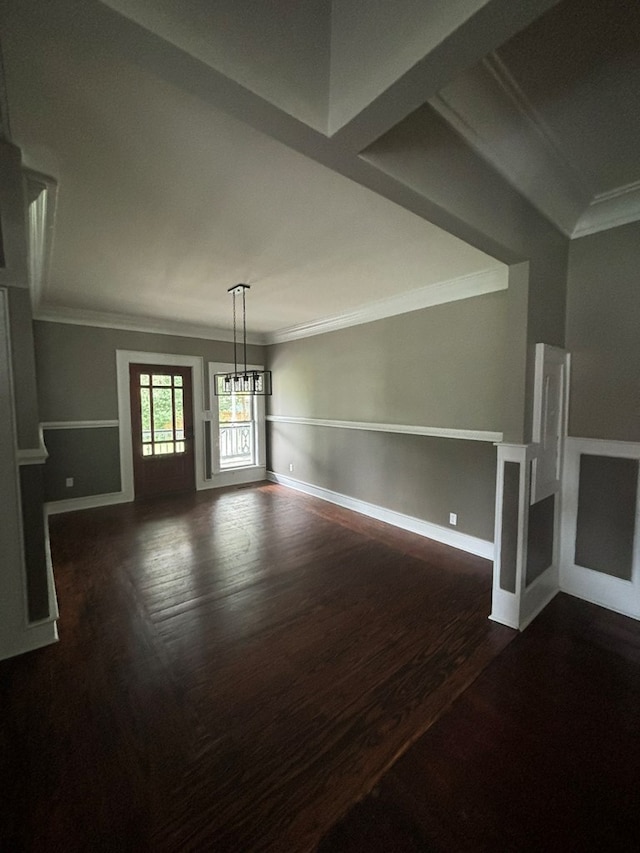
{"points": [[455, 37]]}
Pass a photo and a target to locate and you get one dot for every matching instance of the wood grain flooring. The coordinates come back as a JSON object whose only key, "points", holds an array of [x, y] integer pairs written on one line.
{"points": [[540, 753], [235, 670]]}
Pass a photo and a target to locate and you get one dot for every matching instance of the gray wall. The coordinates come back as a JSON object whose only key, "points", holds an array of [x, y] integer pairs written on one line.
{"points": [[90, 456], [77, 366], [420, 476], [77, 382], [603, 311], [24, 369], [603, 307], [442, 366]]}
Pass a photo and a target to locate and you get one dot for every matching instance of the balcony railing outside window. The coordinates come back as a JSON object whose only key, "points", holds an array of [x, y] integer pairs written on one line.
{"points": [[237, 445]]}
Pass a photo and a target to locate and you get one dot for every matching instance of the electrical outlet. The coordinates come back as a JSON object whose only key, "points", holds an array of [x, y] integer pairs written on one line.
{"points": [[453, 518], [69, 482], [290, 466]]}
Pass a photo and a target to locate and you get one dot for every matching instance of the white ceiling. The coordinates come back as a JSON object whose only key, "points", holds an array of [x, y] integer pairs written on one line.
{"points": [[164, 124]]}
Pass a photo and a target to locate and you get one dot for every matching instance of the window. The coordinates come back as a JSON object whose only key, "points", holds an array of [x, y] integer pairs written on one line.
{"points": [[162, 414], [237, 433]]}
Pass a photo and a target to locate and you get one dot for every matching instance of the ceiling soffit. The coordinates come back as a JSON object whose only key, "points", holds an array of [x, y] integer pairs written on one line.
{"points": [[556, 110], [489, 110], [348, 69]]}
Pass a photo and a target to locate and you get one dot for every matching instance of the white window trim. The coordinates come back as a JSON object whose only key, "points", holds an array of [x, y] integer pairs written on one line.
{"points": [[124, 358], [250, 473]]}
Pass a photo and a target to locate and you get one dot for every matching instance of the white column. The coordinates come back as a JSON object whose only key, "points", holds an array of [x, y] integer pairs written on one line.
{"points": [[17, 635], [13, 614], [514, 602]]}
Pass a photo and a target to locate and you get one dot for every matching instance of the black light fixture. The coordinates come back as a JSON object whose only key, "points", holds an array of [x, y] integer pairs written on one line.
{"points": [[248, 382]]}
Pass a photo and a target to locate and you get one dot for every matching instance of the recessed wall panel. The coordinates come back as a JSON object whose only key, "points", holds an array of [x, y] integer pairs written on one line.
{"points": [[509, 528], [606, 514], [31, 491], [540, 538], [91, 457]]}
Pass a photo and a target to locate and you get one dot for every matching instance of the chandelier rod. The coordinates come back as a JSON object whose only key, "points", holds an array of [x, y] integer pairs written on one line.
{"points": [[235, 357], [244, 326]]}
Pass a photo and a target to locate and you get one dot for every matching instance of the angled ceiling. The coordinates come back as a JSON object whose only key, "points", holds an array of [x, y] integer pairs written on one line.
{"points": [[196, 144], [556, 110]]}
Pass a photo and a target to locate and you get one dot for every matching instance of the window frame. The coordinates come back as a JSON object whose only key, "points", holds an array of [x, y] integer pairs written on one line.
{"points": [[244, 473]]}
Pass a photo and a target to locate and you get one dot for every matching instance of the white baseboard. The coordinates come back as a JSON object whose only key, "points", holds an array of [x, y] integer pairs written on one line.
{"points": [[88, 502], [518, 611], [33, 637], [462, 541], [229, 478], [505, 609], [239, 477], [54, 611], [578, 591]]}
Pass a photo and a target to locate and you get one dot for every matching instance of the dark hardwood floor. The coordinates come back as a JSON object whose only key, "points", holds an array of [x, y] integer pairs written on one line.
{"points": [[235, 670], [540, 753]]}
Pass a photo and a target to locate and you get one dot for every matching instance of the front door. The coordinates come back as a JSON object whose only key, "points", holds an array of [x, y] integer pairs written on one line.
{"points": [[161, 429]]}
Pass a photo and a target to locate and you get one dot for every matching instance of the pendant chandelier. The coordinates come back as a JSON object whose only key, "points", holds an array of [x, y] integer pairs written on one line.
{"points": [[247, 381]]}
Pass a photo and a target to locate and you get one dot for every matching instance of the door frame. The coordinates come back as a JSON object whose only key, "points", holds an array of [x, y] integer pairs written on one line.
{"points": [[123, 359]]}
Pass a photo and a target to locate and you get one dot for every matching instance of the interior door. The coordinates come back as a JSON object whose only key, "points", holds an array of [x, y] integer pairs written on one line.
{"points": [[161, 429]]}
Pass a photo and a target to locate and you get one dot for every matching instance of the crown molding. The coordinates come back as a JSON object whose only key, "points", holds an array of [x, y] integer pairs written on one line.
{"points": [[487, 108], [452, 290], [464, 287], [132, 323], [42, 198], [609, 210], [506, 81]]}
